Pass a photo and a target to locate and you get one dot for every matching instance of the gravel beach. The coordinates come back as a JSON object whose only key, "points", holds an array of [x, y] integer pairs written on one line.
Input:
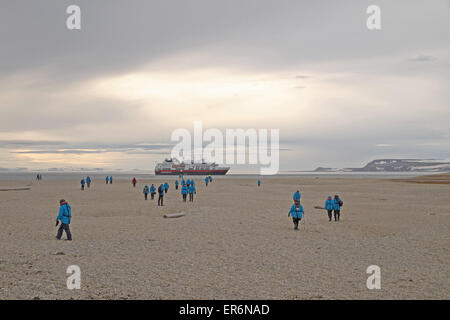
{"points": [[235, 241]]}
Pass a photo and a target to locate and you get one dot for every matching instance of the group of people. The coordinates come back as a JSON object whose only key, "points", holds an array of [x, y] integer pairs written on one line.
{"points": [[84, 182], [65, 212], [334, 205], [208, 179], [162, 189], [297, 212], [147, 190], [87, 181], [187, 188], [38, 176]]}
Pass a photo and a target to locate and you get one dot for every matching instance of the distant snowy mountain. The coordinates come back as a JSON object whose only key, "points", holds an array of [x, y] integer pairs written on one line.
{"points": [[396, 165]]}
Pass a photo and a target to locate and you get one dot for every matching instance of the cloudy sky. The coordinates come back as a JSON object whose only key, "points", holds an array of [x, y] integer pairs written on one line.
{"points": [[110, 95]]}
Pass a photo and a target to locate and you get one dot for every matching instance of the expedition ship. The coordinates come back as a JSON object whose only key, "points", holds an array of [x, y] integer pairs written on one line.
{"points": [[174, 167]]}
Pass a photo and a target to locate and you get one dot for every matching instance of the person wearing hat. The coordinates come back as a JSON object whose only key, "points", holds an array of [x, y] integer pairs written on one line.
{"points": [[82, 183], [191, 192], [161, 195], [166, 187], [297, 213], [88, 181], [134, 182], [64, 215], [146, 191], [184, 192], [176, 184], [337, 204], [297, 196], [152, 191], [329, 206], [106, 179]]}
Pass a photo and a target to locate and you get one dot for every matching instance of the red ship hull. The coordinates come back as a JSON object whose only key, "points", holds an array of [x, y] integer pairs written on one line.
{"points": [[191, 172]]}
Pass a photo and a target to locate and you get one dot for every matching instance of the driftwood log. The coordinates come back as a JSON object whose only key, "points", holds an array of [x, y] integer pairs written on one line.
{"points": [[15, 189], [174, 215]]}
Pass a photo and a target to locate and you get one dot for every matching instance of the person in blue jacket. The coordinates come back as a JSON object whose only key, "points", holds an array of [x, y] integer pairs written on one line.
{"points": [[64, 215], [82, 183], [88, 181], [297, 196], [184, 192], [146, 191], [152, 191], [210, 178], [161, 195], [110, 180], [183, 182], [206, 180], [166, 187], [107, 179], [297, 213], [176, 184], [259, 183], [337, 204], [191, 192], [329, 206]]}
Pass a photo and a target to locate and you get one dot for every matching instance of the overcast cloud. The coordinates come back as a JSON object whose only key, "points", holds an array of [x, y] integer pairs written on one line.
{"points": [[110, 95]]}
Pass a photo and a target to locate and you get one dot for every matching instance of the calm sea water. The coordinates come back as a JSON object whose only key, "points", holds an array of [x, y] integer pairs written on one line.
{"points": [[29, 176]]}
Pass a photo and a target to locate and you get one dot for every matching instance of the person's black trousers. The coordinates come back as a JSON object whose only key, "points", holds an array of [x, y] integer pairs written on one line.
{"points": [[145, 195], [296, 221], [153, 196], [160, 200], [176, 187], [184, 197], [66, 228], [330, 214], [191, 197], [337, 214]]}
